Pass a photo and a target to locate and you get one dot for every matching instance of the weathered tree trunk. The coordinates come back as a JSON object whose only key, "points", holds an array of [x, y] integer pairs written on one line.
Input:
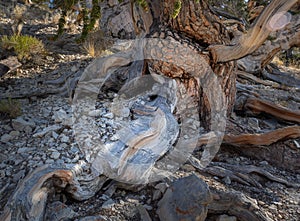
{"points": [[200, 32], [197, 25]]}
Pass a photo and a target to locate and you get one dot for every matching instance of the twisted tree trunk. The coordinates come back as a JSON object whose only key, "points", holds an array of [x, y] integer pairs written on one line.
{"points": [[178, 43]]}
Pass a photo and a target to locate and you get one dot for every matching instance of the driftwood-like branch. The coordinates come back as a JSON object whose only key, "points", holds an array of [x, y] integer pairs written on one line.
{"points": [[59, 86], [264, 138], [29, 200], [283, 39], [253, 78], [239, 173], [283, 78], [258, 106], [255, 37]]}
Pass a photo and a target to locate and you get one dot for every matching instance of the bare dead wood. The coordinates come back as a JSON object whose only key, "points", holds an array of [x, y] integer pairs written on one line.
{"points": [[29, 200], [255, 79], [255, 37], [257, 106], [283, 78], [9, 64], [58, 86], [239, 173], [263, 139], [283, 39], [237, 204]]}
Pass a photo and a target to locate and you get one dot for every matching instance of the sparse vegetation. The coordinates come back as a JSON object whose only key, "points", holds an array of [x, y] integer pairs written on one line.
{"points": [[10, 108], [177, 7], [96, 44], [23, 45], [288, 58]]}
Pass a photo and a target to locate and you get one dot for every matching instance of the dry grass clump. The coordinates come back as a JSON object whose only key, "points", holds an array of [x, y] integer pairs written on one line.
{"points": [[96, 44], [10, 108]]}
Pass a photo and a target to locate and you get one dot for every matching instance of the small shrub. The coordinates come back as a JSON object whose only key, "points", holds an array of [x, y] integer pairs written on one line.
{"points": [[10, 108], [23, 45]]}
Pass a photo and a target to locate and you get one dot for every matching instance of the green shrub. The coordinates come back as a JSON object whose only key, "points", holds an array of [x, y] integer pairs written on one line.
{"points": [[23, 45], [177, 8], [10, 108]]}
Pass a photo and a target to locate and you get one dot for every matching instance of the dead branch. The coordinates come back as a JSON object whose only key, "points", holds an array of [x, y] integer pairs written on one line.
{"points": [[255, 37], [253, 78], [263, 139], [283, 78], [257, 106], [239, 173], [237, 204]]}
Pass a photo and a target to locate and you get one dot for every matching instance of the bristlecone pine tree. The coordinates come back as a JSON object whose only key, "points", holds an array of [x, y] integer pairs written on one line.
{"points": [[201, 25], [194, 24]]}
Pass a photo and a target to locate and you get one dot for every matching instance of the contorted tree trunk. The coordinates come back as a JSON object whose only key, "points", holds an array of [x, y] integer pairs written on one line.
{"points": [[194, 24], [198, 26], [195, 27]]}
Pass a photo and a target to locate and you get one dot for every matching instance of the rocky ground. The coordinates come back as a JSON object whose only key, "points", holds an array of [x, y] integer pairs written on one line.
{"points": [[43, 134]]}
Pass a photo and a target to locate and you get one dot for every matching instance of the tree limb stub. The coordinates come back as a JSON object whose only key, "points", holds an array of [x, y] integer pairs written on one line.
{"points": [[257, 106], [255, 37], [265, 138]]}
